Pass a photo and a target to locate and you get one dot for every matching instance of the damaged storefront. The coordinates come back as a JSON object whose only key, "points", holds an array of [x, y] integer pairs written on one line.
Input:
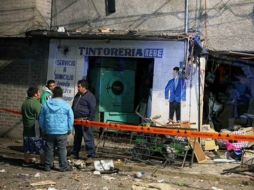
{"points": [[127, 74], [228, 99], [130, 77]]}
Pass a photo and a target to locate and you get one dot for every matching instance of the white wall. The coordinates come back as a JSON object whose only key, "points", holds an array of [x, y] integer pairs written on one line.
{"points": [[190, 107]]}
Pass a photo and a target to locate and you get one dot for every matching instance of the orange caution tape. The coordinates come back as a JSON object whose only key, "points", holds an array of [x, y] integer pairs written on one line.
{"points": [[165, 131], [158, 131], [10, 111]]}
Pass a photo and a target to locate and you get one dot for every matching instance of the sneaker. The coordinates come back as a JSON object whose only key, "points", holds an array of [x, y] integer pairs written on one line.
{"points": [[46, 169], [74, 156], [67, 169], [89, 160], [28, 164]]}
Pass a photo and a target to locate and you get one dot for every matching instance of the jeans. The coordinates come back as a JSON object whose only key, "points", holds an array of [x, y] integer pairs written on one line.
{"points": [[33, 145], [175, 107], [59, 142], [87, 133]]}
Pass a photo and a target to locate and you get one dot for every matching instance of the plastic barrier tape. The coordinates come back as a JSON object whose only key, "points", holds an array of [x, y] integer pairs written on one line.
{"points": [[10, 111], [164, 131], [158, 131]]}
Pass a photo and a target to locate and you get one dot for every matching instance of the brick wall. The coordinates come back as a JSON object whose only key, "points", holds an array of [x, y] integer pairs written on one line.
{"points": [[23, 63]]}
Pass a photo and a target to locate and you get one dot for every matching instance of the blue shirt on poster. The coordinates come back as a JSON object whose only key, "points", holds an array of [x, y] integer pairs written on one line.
{"points": [[175, 90]]}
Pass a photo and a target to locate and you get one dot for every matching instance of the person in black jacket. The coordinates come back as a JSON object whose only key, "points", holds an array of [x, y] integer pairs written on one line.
{"points": [[84, 107]]}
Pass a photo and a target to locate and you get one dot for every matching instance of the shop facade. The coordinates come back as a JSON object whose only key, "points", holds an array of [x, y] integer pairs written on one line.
{"points": [[123, 74]]}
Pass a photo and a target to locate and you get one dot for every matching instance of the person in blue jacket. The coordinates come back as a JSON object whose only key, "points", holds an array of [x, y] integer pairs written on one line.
{"points": [[56, 122], [175, 92]]}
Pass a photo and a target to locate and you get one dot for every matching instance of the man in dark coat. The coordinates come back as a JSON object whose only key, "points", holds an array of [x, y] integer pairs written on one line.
{"points": [[84, 107]]}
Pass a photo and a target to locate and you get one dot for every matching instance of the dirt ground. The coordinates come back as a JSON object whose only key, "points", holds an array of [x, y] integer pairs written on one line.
{"points": [[131, 175]]}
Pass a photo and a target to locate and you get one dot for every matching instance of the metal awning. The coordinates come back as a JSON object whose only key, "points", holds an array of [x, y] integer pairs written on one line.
{"points": [[112, 35], [233, 55]]}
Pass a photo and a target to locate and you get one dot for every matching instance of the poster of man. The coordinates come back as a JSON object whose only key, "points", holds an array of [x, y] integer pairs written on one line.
{"points": [[175, 93]]}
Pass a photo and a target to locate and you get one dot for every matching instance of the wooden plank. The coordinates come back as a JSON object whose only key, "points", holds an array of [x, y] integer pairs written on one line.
{"points": [[46, 182], [198, 151]]}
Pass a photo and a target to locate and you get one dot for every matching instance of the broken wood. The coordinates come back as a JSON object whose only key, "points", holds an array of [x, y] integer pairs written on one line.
{"points": [[198, 151], [104, 30], [40, 183]]}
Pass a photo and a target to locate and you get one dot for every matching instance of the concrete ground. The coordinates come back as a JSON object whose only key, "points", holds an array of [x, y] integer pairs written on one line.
{"points": [[131, 175]]}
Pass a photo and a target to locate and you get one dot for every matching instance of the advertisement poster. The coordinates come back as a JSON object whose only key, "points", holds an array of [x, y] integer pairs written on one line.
{"points": [[64, 75]]}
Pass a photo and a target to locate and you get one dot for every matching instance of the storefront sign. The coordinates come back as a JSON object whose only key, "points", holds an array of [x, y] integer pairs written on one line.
{"points": [[122, 52]]}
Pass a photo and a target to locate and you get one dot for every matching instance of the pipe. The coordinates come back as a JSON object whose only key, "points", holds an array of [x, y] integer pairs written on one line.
{"points": [[206, 32], [186, 20], [199, 94], [51, 15]]}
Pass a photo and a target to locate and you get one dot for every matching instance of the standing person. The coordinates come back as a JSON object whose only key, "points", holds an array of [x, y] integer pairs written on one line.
{"points": [[56, 122], [47, 91], [84, 107], [30, 112], [175, 92]]}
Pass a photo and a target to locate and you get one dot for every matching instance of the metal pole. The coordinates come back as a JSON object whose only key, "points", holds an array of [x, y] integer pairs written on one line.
{"points": [[199, 82], [186, 20]]}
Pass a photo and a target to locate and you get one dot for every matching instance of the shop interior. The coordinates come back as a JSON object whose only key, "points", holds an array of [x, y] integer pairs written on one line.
{"points": [[228, 94], [120, 86]]}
